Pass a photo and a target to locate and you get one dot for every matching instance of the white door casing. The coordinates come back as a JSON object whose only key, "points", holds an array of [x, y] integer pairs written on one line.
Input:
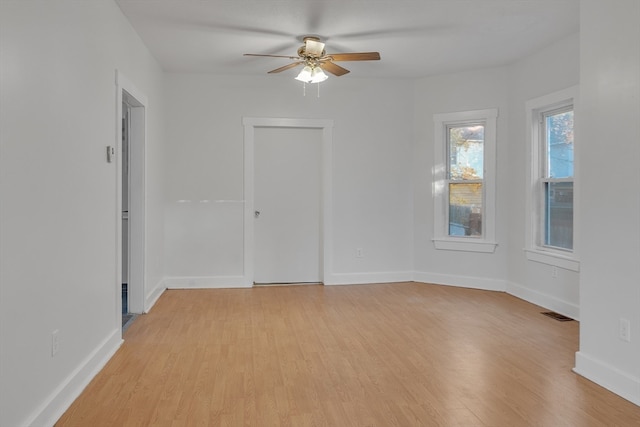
{"points": [[126, 91], [326, 128]]}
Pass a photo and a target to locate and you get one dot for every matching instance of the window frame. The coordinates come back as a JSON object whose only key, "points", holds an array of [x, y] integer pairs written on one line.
{"points": [[535, 249], [441, 238]]}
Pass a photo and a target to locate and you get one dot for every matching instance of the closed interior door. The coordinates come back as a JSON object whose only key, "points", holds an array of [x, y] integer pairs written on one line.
{"points": [[287, 203]]}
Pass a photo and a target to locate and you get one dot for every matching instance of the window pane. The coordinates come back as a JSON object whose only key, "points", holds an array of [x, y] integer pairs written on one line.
{"points": [[465, 209], [466, 152], [559, 214], [559, 134]]}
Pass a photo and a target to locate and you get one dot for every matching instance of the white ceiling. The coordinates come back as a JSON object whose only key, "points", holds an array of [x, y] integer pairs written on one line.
{"points": [[415, 38]]}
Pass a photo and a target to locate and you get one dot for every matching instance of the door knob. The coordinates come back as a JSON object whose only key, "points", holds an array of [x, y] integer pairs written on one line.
{"points": [[256, 214]]}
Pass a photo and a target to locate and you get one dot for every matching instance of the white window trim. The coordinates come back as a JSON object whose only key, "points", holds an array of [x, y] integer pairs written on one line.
{"points": [[441, 239], [534, 252]]}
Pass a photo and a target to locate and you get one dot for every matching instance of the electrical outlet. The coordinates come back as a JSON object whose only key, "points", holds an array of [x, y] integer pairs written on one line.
{"points": [[55, 342], [554, 272], [625, 330], [359, 253]]}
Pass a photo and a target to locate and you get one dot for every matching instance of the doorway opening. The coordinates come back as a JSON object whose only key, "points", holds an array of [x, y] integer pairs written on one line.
{"points": [[253, 130], [124, 156], [130, 248]]}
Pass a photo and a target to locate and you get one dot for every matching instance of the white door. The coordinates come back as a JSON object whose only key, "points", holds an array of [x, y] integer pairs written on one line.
{"points": [[287, 203]]}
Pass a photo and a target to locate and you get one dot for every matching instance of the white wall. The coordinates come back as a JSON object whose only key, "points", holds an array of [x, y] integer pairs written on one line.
{"points": [[471, 90], [371, 174], [58, 212], [550, 70], [610, 159], [506, 88]]}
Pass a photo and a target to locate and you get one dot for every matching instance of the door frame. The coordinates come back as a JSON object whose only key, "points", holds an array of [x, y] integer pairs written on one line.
{"points": [[125, 90], [326, 190]]}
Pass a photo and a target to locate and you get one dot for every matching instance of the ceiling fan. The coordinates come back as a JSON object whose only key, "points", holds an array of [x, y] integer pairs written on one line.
{"points": [[314, 58]]}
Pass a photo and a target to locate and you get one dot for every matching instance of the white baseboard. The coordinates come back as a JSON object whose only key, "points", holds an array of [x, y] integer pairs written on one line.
{"points": [[152, 297], [461, 281], [368, 278], [63, 396], [609, 377], [544, 300], [207, 282]]}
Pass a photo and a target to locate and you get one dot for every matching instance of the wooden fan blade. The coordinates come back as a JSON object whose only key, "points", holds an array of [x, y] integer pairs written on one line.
{"points": [[286, 67], [359, 56], [334, 69], [272, 56]]}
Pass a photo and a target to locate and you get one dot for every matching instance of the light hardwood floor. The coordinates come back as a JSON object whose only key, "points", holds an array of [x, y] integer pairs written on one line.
{"points": [[405, 354]]}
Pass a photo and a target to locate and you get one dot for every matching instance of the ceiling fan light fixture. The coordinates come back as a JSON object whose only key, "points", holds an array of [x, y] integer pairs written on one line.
{"points": [[317, 61], [305, 74], [317, 75], [312, 74]]}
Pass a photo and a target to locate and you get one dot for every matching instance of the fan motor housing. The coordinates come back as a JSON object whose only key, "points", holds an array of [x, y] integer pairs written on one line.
{"points": [[302, 50]]}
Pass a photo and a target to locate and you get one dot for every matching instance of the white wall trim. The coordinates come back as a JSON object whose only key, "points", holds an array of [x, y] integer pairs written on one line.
{"points": [[461, 281], [609, 377], [553, 258], [153, 295], [206, 282], [64, 395], [466, 245], [250, 123], [440, 192], [547, 301], [533, 164], [369, 278], [138, 195]]}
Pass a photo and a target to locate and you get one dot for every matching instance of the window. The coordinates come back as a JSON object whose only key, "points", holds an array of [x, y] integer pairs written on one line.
{"points": [[556, 179], [464, 181], [551, 214], [465, 144]]}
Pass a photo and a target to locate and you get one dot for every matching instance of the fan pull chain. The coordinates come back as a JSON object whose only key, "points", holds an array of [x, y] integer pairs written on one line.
{"points": [[304, 89]]}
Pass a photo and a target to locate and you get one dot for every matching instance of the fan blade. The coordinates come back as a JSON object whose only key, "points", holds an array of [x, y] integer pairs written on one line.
{"points": [[313, 47], [359, 56], [286, 67], [334, 69], [272, 56]]}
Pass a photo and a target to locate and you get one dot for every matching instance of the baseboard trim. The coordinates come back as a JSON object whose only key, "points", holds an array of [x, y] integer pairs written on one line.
{"points": [[609, 377], [369, 278], [64, 395], [206, 282], [461, 281], [544, 300], [153, 296]]}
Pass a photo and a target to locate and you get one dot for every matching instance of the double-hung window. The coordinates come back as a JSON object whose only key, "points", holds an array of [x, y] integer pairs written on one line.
{"points": [[556, 179], [464, 180], [551, 213]]}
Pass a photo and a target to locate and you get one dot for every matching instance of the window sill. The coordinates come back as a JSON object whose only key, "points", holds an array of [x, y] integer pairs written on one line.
{"points": [[554, 259], [465, 245]]}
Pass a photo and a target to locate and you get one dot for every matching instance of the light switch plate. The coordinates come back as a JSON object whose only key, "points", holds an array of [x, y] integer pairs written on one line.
{"points": [[111, 153]]}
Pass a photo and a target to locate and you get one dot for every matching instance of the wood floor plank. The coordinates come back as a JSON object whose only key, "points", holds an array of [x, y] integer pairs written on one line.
{"points": [[405, 354]]}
